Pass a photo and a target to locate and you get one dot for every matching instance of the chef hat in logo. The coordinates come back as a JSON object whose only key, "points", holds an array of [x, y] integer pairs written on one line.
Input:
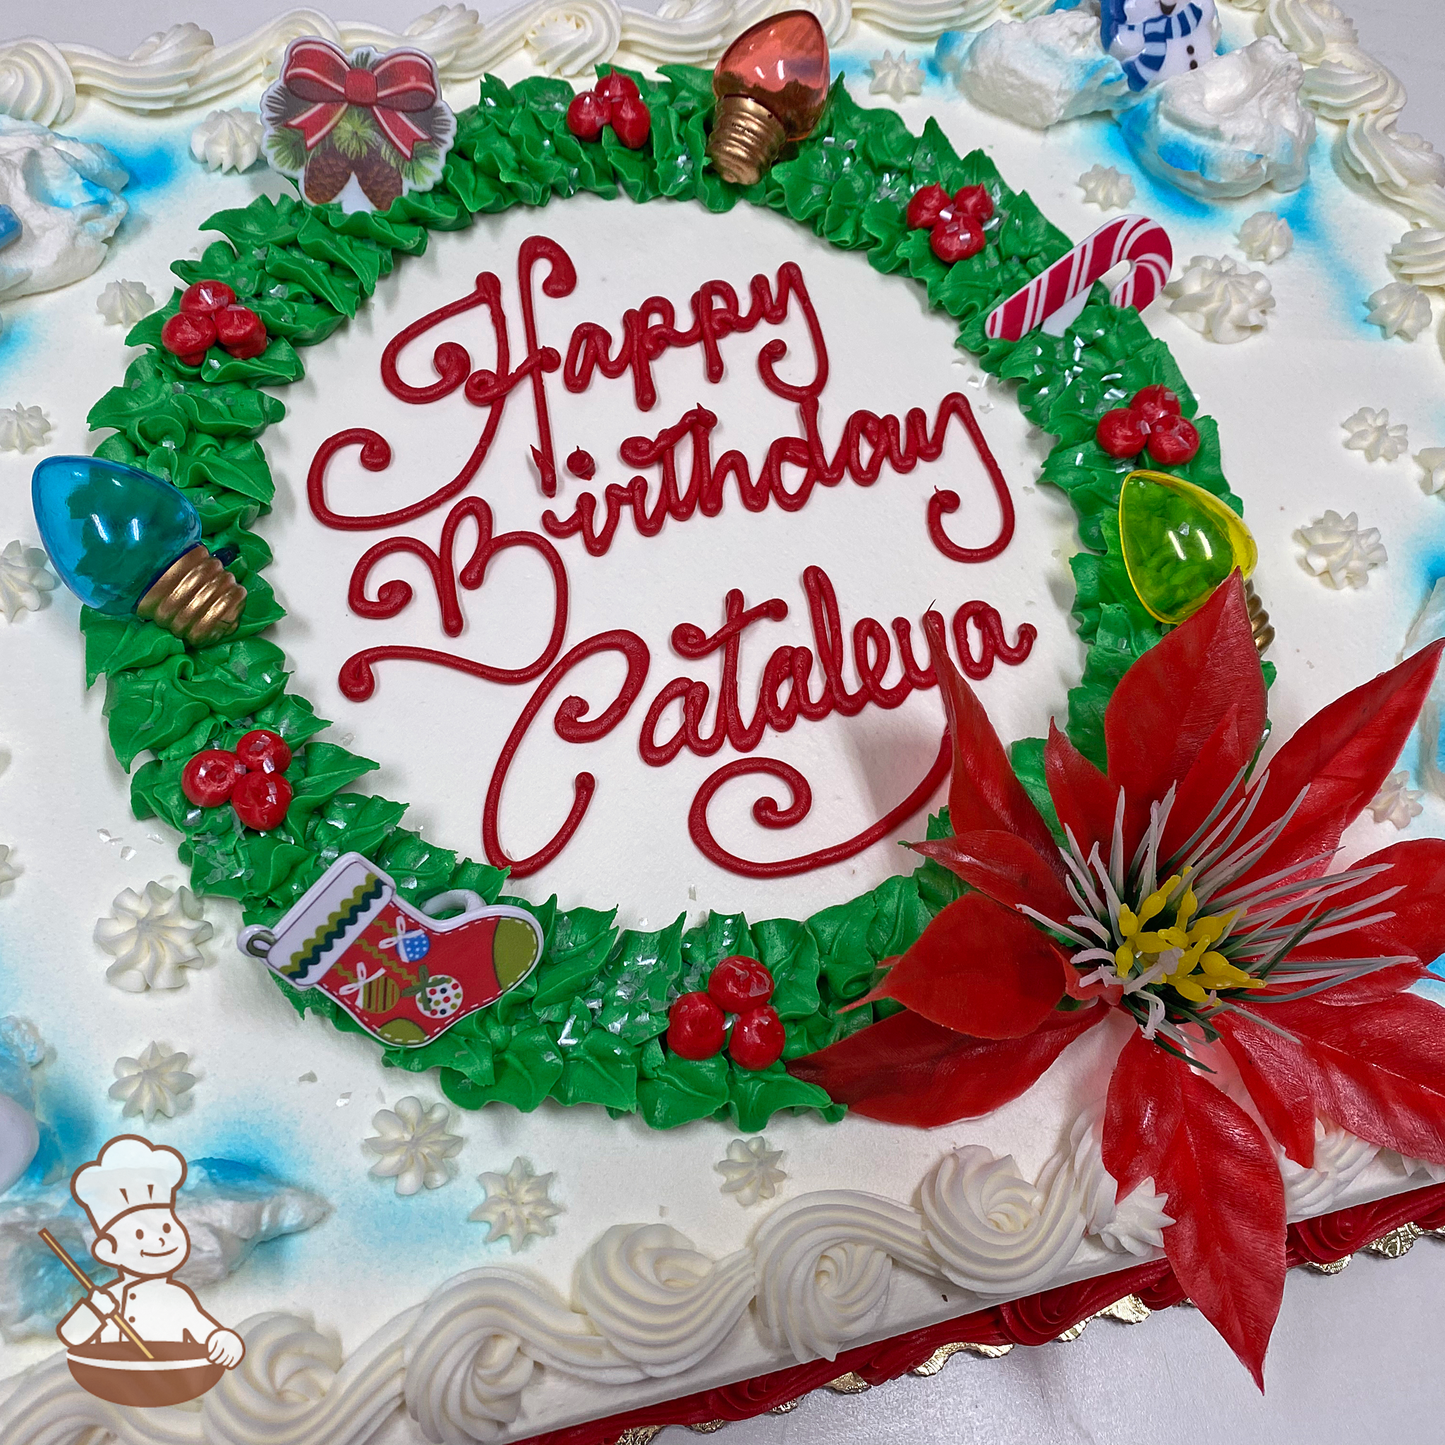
{"points": [[130, 1173]]}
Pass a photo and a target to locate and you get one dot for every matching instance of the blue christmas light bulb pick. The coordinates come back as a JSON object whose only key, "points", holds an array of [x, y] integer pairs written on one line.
{"points": [[127, 542]]}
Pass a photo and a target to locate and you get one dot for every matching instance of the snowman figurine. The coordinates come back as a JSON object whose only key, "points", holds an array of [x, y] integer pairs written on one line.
{"points": [[1154, 39]]}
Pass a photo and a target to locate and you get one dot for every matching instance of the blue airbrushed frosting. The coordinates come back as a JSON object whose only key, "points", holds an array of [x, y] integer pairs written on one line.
{"points": [[230, 1207]]}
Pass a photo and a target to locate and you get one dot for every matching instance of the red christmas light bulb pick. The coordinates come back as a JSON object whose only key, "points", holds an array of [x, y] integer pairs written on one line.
{"points": [[771, 86]]}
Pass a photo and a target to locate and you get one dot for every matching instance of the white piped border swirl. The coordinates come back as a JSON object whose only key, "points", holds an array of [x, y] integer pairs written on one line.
{"points": [[183, 66], [1347, 85], [646, 1304]]}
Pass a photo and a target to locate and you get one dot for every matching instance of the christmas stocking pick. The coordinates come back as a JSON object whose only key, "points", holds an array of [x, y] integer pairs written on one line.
{"points": [[403, 974]]}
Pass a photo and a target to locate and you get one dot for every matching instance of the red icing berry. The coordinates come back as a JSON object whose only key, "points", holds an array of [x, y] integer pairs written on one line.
{"points": [[211, 776], [587, 114], [582, 464], [203, 298], [1122, 432], [956, 221], [957, 239], [263, 751], [1173, 441], [926, 207], [617, 87], [1151, 419], [240, 331], [261, 800], [631, 120], [973, 202], [738, 984], [1154, 403], [188, 337], [695, 1026], [757, 1039]]}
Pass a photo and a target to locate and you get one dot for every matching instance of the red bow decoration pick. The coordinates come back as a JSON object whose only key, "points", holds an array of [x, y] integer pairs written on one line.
{"points": [[400, 81]]}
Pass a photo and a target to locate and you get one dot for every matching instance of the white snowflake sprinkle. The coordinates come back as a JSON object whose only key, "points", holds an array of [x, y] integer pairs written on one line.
{"points": [[897, 79], [517, 1205], [24, 580], [1400, 309], [22, 427], [1265, 237], [1106, 187], [153, 937], [413, 1145], [9, 871], [1371, 432], [750, 1172], [1432, 462], [152, 1084], [1338, 552], [1396, 802]]}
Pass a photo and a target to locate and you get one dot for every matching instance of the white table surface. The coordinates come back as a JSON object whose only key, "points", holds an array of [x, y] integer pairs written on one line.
{"points": [[1356, 1357]]}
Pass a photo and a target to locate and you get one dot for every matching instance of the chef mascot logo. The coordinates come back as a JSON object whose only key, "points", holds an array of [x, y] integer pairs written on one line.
{"points": [[142, 1338]]}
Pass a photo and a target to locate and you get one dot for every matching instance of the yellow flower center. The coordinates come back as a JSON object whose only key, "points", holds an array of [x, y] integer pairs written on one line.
{"points": [[1184, 943]]}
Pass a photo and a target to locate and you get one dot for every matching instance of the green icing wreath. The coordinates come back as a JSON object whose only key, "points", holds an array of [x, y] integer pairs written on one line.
{"points": [[586, 1026]]}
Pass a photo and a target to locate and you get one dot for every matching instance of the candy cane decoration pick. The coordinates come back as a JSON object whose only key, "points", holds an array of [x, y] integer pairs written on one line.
{"points": [[1054, 298]]}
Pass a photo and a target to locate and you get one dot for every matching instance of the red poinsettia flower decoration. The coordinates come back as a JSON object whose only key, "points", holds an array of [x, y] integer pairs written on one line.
{"points": [[1191, 894]]}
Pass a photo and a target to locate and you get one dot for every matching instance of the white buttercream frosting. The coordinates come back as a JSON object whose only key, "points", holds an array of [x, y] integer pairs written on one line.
{"points": [[1310, 28], [24, 580], [1228, 128], [413, 1145], [154, 1082], [1339, 552], [897, 77], [1402, 166], [1400, 309], [1106, 187], [825, 1264], [1339, 1158], [35, 82], [517, 1204], [1397, 802], [1373, 433], [1349, 83], [995, 1231], [1041, 71], [154, 937], [1432, 470], [475, 1345], [22, 427], [750, 1171], [1133, 1225], [1219, 299], [9, 870], [1266, 237], [657, 1301], [183, 66], [123, 303], [1419, 256], [294, 1388], [66, 195], [228, 140]]}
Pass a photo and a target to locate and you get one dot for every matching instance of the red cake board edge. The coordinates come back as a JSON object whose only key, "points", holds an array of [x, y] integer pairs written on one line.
{"points": [[1034, 1320]]}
